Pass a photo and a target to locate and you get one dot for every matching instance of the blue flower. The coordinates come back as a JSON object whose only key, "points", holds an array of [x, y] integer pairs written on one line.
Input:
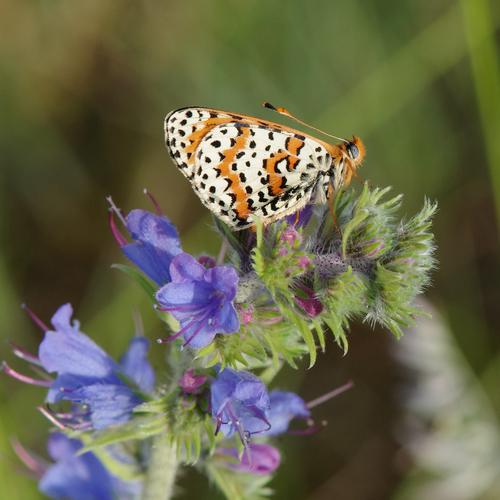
{"points": [[200, 299], [88, 376], [284, 406], [258, 458], [156, 243], [239, 403], [77, 477]]}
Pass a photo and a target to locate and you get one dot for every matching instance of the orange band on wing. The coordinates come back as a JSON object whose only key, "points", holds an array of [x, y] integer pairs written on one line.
{"points": [[294, 145], [197, 136], [275, 179], [241, 206]]}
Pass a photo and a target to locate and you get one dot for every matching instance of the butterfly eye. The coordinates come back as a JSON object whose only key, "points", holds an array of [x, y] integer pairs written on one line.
{"points": [[352, 150]]}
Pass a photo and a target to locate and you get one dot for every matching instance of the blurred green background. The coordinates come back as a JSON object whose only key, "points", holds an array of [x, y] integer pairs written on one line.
{"points": [[84, 88]]}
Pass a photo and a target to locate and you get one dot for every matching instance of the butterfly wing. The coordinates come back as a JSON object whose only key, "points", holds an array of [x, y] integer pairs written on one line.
{"points": [[241, 166]]}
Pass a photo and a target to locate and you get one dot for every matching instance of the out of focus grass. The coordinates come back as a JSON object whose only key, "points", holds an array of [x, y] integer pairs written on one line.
{"points": [[84, 87]]}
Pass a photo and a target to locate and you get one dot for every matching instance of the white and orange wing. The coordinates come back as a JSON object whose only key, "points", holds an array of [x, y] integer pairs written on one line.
{"points": [[242, 166]]}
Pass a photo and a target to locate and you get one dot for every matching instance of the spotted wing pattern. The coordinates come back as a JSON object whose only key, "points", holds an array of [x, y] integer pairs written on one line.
{"points": [[242, 166]]}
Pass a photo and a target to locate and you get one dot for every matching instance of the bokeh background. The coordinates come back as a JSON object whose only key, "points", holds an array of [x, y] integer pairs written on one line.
{"points": [[84, 88]]}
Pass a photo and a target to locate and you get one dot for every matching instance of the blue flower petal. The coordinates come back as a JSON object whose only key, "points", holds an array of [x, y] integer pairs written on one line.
{"points": [[135, 365], [109, 404], [60, 447], [157, 230], [190, 293], [74, 353], [239, 395], [285, 406], [147, 259], [228, 319], [66, 385], [61, 320], [203, 337], [156, 243], [225, 279], [80, 477], [185, 267]]}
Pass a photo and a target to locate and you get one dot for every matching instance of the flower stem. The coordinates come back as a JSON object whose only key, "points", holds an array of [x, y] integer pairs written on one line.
{"points": [[160, 478]]}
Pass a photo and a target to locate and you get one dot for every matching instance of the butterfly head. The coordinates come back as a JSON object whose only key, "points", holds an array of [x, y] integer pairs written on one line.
{"points": [[351, 153], [355, 151]]}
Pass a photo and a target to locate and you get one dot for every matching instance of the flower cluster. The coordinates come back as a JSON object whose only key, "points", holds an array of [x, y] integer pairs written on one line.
{"points": [[269, 298]]}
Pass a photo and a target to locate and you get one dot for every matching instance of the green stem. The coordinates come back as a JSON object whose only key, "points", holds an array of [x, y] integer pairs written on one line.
{"points": [[160, 478], [480, 31]]}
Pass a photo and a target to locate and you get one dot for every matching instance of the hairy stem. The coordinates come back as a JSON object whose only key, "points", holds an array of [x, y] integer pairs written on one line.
{"points": [[160, 478]]}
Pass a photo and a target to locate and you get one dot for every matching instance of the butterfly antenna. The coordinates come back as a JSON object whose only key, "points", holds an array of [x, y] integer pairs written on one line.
{"points": [[285, 112]]}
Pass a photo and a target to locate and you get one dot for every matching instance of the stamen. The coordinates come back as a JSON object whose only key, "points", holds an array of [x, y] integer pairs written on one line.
{"points": [[32, 462], [153, 201], [120, 239], [330, 395], [48, 414], [114, 209], [35, 318], [24, 355], [236, 422], [188, 341], [23, 378], [218, 423]]}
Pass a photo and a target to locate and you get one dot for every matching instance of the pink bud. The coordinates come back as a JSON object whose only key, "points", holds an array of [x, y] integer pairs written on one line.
{"points": [[304, 261], [191, 383], [290, 235], [246, 315]]}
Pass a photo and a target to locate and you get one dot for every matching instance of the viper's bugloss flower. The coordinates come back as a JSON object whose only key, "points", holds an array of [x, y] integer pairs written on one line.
{"points": [[190, 383], [89, 376], [239, 403], [284, 407], [155, 243], [77, 477], [258, 458], [200, 299]]}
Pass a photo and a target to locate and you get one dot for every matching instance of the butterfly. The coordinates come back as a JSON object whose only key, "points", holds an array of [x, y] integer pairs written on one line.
{"points": [[243, 167]]}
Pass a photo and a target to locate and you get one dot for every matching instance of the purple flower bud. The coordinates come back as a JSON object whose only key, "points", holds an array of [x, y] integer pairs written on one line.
{"points": [[191, 383], [207, 261], [261, 459], [200, 299], [308, 302], [239, 403]]}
